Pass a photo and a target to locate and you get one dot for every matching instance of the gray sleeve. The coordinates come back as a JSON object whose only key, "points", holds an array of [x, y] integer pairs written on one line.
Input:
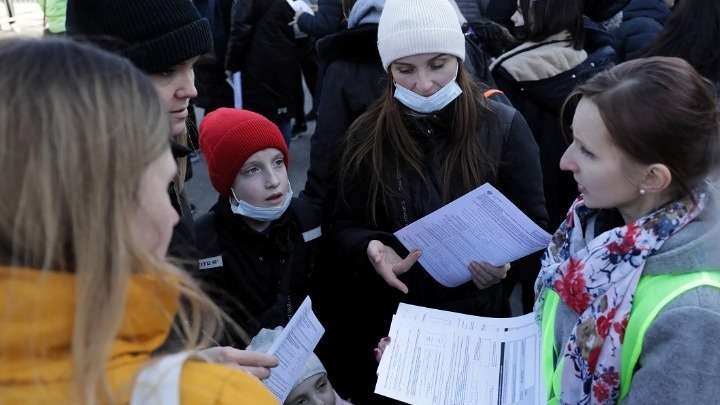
{"points": [[680, 360]]}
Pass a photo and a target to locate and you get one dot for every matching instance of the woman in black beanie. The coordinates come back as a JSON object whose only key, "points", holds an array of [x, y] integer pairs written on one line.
{"points": [[164, 38]]}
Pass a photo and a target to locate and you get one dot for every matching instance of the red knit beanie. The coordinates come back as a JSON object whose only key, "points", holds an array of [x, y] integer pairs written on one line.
{"points": [[228, 137]]}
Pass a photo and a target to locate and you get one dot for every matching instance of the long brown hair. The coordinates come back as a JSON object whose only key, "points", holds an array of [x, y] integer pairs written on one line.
{"points": [[378, 140], [76, 135]]}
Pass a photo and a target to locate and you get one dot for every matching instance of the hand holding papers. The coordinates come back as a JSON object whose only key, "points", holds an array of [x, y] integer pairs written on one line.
{"points": [[440, 357], [481, 226], [292, 348]]}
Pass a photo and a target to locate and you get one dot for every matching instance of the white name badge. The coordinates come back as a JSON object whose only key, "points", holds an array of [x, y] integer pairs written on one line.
{"points": [[211, 262]]}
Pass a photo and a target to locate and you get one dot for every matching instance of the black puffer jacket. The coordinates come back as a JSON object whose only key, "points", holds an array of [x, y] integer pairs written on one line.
{"points": [[642, 22], [326, 21], [261, 45], [353, 79], [266, 273]]}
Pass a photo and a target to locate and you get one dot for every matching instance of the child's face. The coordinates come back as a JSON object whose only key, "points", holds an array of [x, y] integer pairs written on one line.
{"points": [[315, 390], [263, 180]]}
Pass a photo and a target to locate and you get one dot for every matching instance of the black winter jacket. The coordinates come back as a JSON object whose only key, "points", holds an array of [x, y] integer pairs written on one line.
{"points": [[266, 273], [261, 45], [642, 22], [327, 20], [518, 177], [354, 79]]}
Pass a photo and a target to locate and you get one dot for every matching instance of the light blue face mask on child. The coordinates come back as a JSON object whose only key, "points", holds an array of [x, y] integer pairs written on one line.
{"points": [[264, 214], [426, 105]]}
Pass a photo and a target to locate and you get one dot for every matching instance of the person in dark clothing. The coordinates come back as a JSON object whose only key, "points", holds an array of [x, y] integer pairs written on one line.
{"points": [[256, 247], [166, 51], [431, 138], [642, 21], [261, 46], [537, 76], [326, 20], [213, 90], [164, 39], [353, 79]]}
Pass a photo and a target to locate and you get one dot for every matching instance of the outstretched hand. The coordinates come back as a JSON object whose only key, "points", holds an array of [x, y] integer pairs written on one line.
{"points": [[388, 264], [485, 275], [255, 363]]}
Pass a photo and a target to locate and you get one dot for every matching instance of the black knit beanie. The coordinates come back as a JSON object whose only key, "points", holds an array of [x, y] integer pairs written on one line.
{"points": [[154, 34]]}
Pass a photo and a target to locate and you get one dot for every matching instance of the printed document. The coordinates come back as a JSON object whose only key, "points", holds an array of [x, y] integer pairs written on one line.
{"points": [[293, 348], [481, 226], [440, 357]]}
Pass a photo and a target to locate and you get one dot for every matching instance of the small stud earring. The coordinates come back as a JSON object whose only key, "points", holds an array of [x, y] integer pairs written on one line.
{"points": [[642, 191]]}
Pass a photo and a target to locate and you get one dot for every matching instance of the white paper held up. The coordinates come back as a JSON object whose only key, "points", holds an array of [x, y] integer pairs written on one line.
{"points": [[440, 357], [482, 226], [293, 348]]}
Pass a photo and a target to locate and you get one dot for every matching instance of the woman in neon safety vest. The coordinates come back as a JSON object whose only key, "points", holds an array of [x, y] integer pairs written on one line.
{"points": [[629, 291]]}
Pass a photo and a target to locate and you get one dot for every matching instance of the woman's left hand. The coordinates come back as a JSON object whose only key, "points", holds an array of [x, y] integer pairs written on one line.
{"points": [[485, 275], [255, 363]]}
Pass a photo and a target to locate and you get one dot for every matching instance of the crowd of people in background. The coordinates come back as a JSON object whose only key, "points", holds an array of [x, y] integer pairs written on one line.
{"points": [[598, 119]]}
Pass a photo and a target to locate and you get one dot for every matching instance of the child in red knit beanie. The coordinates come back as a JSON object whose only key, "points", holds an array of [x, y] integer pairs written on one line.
{"points": [[257, 244]]}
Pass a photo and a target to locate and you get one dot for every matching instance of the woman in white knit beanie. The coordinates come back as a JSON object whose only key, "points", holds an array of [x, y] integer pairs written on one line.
{"points": [[431, 138]]}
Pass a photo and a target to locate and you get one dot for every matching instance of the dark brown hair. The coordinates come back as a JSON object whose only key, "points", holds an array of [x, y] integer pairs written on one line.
{"points": [[693, 33], [544, 18], [659, 110], [379, 142]]}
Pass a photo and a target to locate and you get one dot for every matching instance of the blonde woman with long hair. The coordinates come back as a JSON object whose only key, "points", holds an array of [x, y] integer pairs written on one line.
{"points": [[85, 292]]}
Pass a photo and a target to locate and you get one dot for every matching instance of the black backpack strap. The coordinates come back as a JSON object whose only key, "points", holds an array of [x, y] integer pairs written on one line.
{"points": [[309, 217]]}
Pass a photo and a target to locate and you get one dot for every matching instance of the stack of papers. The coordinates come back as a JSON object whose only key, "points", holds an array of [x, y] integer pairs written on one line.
{"points": [[440, 357]]}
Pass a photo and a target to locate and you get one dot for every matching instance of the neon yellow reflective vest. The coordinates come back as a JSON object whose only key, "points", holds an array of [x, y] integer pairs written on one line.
{"points": [[651, 296]]}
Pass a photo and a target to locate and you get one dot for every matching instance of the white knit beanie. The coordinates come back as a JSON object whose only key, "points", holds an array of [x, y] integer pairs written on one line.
{"points": [[412, 27]]}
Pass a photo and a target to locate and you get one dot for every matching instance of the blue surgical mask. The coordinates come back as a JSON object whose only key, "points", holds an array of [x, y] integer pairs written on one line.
{"points": [[426, 105], [259, 213]]}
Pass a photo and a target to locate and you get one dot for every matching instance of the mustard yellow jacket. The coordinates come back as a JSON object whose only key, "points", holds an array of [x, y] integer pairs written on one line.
{"points": [[35, 344]]}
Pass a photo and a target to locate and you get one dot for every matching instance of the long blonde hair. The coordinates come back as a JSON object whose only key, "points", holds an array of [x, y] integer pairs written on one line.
{"points": [[78, 126]]}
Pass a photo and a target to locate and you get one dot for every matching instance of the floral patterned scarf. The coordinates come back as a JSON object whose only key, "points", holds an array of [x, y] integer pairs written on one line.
{"points": [[597, 279]]}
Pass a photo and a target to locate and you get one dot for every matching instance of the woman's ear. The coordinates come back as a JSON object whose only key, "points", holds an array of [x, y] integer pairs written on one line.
{"points": [[657, 178]]}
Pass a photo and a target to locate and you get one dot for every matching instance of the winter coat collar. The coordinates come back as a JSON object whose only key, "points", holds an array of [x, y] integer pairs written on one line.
{"points": [[546, 59]]}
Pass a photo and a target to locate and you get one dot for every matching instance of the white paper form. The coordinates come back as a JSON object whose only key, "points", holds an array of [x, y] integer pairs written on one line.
{"points": [[463, 321], [292, 348], [235, 82], [521, 374], [493, 360], [481, 226]]}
